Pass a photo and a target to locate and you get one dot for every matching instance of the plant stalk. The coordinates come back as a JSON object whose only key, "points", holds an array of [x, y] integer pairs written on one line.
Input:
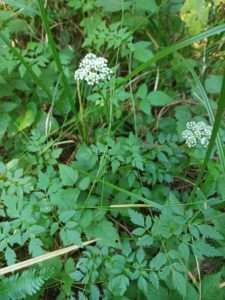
{"points": [[82, 121]]}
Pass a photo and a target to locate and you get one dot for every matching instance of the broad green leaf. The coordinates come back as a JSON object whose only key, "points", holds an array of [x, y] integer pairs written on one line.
{"points": [[209, 232], [140, 255], [158, 261], [69, 197], [76, 276], [118, 285], [17, 25], [145, 241], [210, 287], [105, 231], [154, 279], [142, 52], [86, 158], [35, 247], [136, 217], [65, 216], [36, 229], [180, 283], [143, 284], [145, 106], [65, 199], [68, 175], [138, 231], [159, 98], [142, 91], [7, 106], [184, 251], [201, 249], [213, 84], [70, 237], [192, 292], [10, 256], [27, 118], [146, 5], [94, 293], [84, 183]]}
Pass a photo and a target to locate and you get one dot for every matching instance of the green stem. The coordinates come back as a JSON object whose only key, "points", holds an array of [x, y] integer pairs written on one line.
{"points": [[83, 126]]}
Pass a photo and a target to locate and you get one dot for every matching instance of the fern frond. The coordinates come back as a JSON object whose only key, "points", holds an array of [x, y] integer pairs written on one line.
{"points": [[20, 286]]}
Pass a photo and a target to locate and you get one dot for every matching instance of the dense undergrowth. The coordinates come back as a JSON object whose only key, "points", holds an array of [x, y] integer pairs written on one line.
{"points": [[120, 153]]}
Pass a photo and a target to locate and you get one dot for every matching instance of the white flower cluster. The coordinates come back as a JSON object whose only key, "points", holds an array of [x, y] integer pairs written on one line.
{"points": [[93, 69], [197, 133]]}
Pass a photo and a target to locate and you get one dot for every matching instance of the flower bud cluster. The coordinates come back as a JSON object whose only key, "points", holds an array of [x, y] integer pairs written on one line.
{"points": [[197, 133], [93, 69]]}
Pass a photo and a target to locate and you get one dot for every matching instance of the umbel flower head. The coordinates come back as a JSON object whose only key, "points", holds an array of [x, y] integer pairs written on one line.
{"points": [[197, 133], [93, 69]]}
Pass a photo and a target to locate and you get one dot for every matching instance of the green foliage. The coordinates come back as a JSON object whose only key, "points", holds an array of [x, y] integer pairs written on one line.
{"points": [[22, 286], [128, 180], [195, 15]]}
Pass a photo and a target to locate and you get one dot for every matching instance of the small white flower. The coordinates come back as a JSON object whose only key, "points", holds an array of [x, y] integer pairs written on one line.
{"points": [[189, 138], [93, 69], [197, 133]]}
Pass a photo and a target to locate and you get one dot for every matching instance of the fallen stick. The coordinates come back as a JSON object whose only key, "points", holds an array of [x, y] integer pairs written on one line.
{"points": [[44, 257]]}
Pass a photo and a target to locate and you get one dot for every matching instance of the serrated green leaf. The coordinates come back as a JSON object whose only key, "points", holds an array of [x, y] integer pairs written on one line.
{"points": [[136, 218], [159, 98], [180, 283], [201, 248], [84, 183], [146, 5], [118, 285], [65, 216], [154, 279], [145, 241], [140, 255], [210, 287], [70, 237], [35, 247], [86, 158], [138, 231], [158, 261], [94, 293], [210, 232], [142, 51], [213, 84], [105, 231], [68, 175], [76, 276], [27, 118], [10, 256], [143, 284], [184, 251]]}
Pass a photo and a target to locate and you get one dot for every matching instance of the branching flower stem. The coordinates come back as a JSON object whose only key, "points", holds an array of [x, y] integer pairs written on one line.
{"points": [[82, 121]]}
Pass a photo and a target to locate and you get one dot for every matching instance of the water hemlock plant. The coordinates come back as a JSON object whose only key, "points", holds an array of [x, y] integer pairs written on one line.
{"points": [[112, 142]]}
